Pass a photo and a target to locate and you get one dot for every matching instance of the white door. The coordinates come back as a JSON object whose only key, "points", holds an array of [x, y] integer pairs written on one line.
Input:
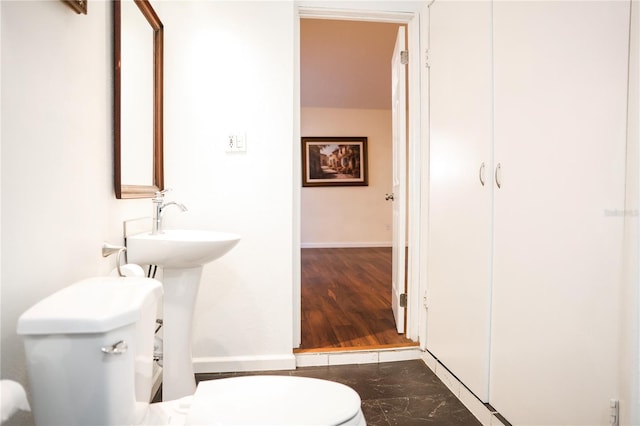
{"points": [[399, 105], [560, 72], [460, 195]]}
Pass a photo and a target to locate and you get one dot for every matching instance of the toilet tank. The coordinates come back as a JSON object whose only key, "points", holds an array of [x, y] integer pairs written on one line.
{"points": [[89, 350]]}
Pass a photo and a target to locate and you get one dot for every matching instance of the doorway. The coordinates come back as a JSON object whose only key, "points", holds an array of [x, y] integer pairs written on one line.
{"points": [[347, 232], [410, 14]]}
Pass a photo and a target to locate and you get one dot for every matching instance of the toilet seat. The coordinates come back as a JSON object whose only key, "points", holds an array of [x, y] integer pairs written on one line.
{"points": [[266, 400]]}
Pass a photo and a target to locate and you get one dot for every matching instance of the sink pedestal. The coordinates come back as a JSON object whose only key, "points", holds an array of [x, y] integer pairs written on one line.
{"points": [[180, 291], [181, 254]]}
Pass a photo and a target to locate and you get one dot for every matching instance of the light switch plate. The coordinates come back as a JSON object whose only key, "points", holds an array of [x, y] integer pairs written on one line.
{"points": [[236, 142]]}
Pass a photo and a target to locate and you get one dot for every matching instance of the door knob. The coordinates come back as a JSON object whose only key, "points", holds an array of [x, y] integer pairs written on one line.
{"points": [[389, 197]]}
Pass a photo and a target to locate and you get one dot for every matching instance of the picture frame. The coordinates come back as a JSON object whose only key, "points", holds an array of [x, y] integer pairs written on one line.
{"points": [[80, 6], [334, 161]]}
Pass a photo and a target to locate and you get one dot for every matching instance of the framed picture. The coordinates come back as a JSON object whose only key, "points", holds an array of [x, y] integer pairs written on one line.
{"points": [[334, 161], [80, 6]]}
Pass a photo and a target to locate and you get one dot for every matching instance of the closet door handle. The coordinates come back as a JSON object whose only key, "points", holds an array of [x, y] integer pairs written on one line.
{"points": [[481, 174], [498, 176]]}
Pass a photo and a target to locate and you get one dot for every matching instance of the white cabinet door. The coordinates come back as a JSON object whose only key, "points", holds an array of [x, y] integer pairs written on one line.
{"points": [[560, 72], [458, 294]]}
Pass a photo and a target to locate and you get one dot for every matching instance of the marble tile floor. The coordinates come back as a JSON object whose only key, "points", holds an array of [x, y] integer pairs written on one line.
{"points": [[402, 393]]}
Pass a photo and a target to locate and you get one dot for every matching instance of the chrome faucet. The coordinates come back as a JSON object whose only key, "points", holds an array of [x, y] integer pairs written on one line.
{"points": [[158, 208]]}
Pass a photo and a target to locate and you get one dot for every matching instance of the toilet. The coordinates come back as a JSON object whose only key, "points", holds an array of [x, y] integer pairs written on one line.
{"points": [[89, 350]]}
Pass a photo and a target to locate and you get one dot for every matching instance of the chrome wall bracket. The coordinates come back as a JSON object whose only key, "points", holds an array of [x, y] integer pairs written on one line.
{"points": [[109, 249]]}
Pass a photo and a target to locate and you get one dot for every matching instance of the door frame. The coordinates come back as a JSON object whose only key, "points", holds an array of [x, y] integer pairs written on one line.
{"points": [[415, 16]]}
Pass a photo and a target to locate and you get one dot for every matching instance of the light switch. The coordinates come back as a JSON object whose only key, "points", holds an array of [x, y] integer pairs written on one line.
{"points": [[236, 142]]}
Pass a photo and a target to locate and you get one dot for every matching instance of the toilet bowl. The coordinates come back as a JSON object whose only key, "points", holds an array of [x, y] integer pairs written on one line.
{"points": [[264, 401], [89, 351]]}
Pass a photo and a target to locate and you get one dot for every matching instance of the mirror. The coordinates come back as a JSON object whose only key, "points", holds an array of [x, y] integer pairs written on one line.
{"points": [[138, 99]]}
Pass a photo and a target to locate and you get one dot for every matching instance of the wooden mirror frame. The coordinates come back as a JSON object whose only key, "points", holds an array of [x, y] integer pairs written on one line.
{"points": [[126, 190]]}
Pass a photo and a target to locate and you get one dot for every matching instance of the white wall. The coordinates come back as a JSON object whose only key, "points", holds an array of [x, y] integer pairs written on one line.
{"points": [[350, 216], [229, 67], [57, 195]]}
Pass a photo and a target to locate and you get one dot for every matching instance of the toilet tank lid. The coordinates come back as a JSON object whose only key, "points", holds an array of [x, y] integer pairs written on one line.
{"points": [[93, 305]]}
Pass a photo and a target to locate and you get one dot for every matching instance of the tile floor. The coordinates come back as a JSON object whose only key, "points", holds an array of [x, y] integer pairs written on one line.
{"points": [[400, 393]]}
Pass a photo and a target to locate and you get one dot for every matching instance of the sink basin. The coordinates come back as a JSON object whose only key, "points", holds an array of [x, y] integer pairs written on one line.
{"points": [[179, 248]]}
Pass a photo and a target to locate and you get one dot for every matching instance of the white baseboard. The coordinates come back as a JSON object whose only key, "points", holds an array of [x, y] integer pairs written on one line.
{"points": [[244, 363], [484, 414], [346, 245]]}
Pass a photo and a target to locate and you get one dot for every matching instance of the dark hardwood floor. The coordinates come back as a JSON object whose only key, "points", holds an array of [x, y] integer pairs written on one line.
{"points": [[346, 300]]}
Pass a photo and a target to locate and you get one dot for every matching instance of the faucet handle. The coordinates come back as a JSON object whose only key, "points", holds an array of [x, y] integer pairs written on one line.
{"points": [[160, 194]]}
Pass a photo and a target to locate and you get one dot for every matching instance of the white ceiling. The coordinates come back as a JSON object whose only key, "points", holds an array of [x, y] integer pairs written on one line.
{"points": [[346, 64]]}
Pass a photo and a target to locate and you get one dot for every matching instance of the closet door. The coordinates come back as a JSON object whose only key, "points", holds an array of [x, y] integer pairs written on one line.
{"points": [[560, 72], [458, 295]]}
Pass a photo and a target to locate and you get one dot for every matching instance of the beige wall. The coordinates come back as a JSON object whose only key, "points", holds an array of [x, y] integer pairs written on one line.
{"points": [[350, 216]]}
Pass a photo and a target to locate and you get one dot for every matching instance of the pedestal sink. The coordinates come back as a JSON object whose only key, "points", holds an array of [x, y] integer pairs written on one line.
{"points": [[181, 254]]}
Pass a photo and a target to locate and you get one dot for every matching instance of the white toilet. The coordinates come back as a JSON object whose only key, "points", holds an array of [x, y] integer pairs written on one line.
{"points": [[89, 354]]}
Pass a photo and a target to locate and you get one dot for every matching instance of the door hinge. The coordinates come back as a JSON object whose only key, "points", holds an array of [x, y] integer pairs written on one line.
{"points": [[614, 417], [427, 64], [404, 57], [403, 300]]}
